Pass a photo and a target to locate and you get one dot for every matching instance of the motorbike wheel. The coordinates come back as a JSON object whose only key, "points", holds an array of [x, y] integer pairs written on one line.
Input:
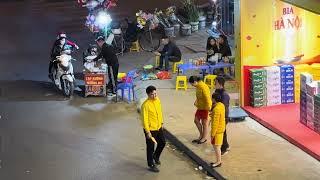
{"points": [[67, 87]]}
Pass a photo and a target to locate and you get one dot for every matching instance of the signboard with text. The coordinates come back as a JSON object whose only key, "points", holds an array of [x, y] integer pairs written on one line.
{"points": [[95, 84]]}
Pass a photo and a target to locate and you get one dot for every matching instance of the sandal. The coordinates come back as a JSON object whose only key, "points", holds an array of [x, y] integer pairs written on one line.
{"points": [[201, 142], [195, 141], [215, 165]]}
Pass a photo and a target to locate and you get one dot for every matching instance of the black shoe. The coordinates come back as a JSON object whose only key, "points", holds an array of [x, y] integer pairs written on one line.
{"points": [[158, 68], [153, 168], [157, 161]]}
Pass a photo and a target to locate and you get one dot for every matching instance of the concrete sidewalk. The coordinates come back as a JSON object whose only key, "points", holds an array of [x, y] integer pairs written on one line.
{"points": [[256, 152]]}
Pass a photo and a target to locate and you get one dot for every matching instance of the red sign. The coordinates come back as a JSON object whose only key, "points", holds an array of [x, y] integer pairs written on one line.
{"points": [[94, 79]]}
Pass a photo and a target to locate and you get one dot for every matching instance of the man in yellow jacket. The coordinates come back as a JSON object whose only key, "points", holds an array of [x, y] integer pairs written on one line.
{"points": [[152, 121], [218, 126], [203, 103]]}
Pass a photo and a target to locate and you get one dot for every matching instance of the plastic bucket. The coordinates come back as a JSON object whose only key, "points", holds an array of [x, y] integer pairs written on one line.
{"points": [[176, 29], [194, 26], [202, 22], [169, 31], [186, 30]]}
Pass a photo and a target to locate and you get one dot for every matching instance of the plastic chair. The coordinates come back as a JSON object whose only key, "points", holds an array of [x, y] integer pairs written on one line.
{"points": [[184, 84], [127, 85], [135, 46], [175, 66], [209, 80]]}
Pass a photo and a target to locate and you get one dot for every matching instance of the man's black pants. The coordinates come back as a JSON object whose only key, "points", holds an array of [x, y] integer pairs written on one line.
{"points": [[225, 144], [113, 77], [166, 60], [159, 136]]}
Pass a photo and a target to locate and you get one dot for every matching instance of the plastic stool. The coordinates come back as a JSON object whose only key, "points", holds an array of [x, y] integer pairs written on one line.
{"points": [[175, 66], [157, 63], [184, 84], [135, 47], [121, 75], [209, 80]]}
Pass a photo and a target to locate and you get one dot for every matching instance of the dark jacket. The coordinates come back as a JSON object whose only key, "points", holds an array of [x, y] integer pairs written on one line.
{"points": [[109, 54], [225, 50], [225, 100], [171, 49], [56, 51]]}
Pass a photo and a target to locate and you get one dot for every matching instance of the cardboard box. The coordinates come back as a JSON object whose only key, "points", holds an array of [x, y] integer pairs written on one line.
{"points": [[258, 104], [257, 72], [310, 124], [288, 82], [312, 88], [261, 92], [258, 87], [303, 121], [305, 78], [287, 101], [289, 88], [273, 102], [287, 76], [258, 81], [287, 68]]}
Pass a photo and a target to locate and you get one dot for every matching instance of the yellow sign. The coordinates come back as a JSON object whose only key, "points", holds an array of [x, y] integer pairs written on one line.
{"points": [[274, 32]]}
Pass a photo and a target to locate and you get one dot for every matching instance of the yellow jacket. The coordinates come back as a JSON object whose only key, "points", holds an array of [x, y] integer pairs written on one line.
{"points": [[203, 101], [151, 115], [218, 124]]}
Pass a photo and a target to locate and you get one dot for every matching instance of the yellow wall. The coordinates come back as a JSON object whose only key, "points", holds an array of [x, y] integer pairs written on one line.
{"points": [[262, 45]]}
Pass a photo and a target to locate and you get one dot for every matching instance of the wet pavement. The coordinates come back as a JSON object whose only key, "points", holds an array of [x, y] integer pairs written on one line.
{"points": [[79, 139], [46, 136]]}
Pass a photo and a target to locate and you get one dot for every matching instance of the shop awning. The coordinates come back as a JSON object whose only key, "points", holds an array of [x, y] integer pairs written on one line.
{"points": [[310, 5]]}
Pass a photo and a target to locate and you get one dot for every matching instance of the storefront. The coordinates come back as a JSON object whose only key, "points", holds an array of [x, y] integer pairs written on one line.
{"points": [[274, 33]]}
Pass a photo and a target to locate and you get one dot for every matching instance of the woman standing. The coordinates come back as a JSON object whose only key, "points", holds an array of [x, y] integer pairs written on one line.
{"points": [[218, 124]]}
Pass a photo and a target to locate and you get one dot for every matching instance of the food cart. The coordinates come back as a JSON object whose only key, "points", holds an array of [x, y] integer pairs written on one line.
{"points": [[95, 78]]}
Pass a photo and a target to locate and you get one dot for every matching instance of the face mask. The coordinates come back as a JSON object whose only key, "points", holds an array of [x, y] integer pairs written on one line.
{"points": [[62, 41]]}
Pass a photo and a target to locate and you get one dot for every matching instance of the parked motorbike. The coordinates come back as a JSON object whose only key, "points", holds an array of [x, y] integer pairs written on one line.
{"points": [[63, 77]]}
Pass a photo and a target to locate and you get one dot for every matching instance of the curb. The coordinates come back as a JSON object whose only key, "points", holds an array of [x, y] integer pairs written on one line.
{"points": [[192, 155]]}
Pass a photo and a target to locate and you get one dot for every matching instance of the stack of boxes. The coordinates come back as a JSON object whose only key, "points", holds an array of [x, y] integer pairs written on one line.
{"points": [[317, 111], [298, 69], [305, 78], [273, 85], [258, 87], [312, 90], [287, 84]]}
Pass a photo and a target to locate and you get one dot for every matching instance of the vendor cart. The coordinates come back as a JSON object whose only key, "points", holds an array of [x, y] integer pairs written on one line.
{"points": [[95, 78]]}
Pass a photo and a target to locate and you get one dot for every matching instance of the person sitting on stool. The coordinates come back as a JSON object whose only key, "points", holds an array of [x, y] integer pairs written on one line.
{"points": [[170, 52]]}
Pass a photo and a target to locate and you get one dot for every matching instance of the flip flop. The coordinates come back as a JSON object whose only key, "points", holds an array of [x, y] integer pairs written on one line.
{"points": [[201, 142], [195, 141], [215, 165]]}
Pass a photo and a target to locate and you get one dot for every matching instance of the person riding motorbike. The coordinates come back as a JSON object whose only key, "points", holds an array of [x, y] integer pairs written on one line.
{"points": [[58, 47]]}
